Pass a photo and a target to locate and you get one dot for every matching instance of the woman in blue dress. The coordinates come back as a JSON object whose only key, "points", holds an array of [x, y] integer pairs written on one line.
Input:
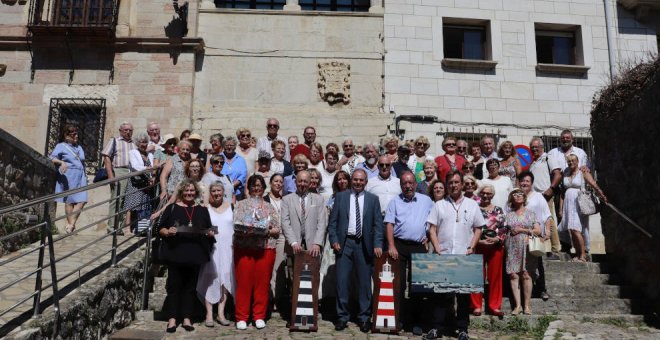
{"points": [[69, 158]]}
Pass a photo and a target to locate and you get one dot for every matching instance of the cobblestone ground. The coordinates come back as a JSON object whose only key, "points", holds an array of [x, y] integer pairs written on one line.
{"points": [[67, 268], [568, 327]]}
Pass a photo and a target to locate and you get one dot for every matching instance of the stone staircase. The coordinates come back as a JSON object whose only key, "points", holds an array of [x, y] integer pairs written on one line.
{"points": [[158, 292], [584, 288]]}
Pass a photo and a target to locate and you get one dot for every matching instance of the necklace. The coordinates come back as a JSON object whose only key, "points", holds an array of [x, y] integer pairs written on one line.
{"points": [[190, 216], [455, 208]]}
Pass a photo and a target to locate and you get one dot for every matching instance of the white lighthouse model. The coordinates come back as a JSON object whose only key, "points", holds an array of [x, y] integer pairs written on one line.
{"points": [[385, 316]]}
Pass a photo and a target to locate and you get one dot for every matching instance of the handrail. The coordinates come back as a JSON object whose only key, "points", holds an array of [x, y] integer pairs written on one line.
{"points": [[48, 245]]}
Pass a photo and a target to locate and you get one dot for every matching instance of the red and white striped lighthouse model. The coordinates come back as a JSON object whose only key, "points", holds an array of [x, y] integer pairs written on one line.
{"points": [[385, 317]]}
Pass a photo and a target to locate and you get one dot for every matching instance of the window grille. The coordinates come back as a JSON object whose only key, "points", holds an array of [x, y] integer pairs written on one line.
{"points": [[88, 114], [251, 4], [584, 143]]}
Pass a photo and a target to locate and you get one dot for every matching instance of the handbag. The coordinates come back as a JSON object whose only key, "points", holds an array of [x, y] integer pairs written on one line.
{"points": [[157, 245], [101, 173], [586, 202], [140, 181], [536, 246]]}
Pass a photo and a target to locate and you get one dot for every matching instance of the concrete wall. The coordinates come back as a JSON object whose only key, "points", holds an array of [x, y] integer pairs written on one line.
{"points": [[261, 64], [514, 94]]}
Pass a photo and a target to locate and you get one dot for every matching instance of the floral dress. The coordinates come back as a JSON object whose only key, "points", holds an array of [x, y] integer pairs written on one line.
{"points": [[256, 213], [517, 257]]}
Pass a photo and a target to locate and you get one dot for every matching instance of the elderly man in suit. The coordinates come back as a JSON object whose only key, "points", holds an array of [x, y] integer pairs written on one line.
{"points": [[303, 217], [356, 234]]}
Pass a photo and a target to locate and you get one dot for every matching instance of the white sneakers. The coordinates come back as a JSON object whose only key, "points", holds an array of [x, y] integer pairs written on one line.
{"points": [[260, 324], [241, 325]]}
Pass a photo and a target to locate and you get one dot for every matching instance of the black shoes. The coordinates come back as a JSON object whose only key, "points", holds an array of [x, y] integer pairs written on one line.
{"points": [[171, 329], [462, 335], [365, 327], [432, 335], [188, 328], [417, 331], [545, 296], [340, 325]]}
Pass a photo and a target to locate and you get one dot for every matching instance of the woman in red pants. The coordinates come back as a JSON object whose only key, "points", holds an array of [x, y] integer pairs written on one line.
{"points": [[256, 229], [491, 246]]}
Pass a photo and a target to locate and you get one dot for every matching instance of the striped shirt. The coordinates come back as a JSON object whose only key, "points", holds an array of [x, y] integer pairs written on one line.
{"points": [[121, 156]]}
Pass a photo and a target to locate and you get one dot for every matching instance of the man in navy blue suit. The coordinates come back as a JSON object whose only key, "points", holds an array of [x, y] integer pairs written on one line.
{"points": [[356, 235]]}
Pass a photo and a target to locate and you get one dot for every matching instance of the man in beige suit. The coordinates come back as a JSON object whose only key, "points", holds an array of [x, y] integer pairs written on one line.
{"points": [[304, 220]]}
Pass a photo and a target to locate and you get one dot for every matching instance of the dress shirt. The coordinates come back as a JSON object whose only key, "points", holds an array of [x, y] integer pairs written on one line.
{"points": [[454, 237], [409, 216], [289, 185], [351, 214], [121, 156], [236, 169], [265, 144], [385, 188], [560, 156], [542, 169]]}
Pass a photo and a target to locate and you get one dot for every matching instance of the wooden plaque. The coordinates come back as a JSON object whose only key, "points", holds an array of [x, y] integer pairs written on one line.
{"points": [[305, 295], [385, 308]]}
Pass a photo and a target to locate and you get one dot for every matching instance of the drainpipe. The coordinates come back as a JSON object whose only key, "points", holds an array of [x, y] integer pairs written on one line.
{"points": [[609, 25]]}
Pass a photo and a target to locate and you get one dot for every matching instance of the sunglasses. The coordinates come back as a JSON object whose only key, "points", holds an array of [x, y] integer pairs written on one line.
{"points": [[450, 144], [422, 144], [384, 165], [470, 184], [245, 135], [272, 126], [218, 162], [348, 145], [517, 194]]}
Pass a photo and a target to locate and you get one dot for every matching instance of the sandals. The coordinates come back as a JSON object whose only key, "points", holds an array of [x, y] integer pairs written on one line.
{"points": [[69, 228], [527, 311], [209, 323], [476, 312], [223, 322], [579, 260], [515, 311]]}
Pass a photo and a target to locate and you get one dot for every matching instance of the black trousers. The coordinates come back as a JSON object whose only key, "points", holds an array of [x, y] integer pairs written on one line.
{"points": [[539, 284], [442, 303], [406, 249], [181, 285]]}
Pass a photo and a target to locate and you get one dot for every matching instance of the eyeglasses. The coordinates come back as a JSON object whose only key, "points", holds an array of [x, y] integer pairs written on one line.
{"points": [[422, 144], [275, 126], [468, 167], [517, 194], [470, 184], [245, 135], [384, 165], [348, 145], [218, 162]]}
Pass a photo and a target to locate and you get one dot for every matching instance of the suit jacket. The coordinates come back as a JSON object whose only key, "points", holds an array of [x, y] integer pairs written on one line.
{"points": [[316, 220], [372, 221]]}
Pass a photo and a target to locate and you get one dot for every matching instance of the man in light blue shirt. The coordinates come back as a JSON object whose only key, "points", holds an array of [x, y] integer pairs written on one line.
{"points": [[405, 221]]}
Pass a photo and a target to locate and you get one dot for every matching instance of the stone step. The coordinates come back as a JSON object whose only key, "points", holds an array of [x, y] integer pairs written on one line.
{"points": [[579, 279], [156, 301], [579, 305], [159, 284], [135, 334], [533, 319], [553, 267], [604, 291]]}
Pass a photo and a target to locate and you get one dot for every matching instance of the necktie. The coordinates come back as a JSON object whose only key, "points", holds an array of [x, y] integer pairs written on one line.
{"points": [[358, 219], [302, 214]]}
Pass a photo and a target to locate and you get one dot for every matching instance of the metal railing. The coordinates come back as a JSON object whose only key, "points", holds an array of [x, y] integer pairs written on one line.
{"points": [[73, 13], [48, 242]]}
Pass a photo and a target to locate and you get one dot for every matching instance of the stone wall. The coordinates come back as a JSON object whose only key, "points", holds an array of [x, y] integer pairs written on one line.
{"points": [[24, 175], [625, 126], [97, 309], [261, 64]]}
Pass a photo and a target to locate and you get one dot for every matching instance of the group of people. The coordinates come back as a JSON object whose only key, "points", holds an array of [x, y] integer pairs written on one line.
{"points": [[239, 207]]}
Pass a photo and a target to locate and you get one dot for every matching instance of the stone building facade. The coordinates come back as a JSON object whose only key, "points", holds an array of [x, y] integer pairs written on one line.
{"points": [[472, 66]]}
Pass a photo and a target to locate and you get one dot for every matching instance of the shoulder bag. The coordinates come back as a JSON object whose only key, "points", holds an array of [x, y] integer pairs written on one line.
{"points": [[536, 246], [586, 202], [101, 172], [157, 251]]}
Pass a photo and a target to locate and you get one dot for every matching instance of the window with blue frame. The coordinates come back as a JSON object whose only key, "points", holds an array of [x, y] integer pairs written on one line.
{"points": [[251, 4], [555, 47], [464, 42], [335, 5]]}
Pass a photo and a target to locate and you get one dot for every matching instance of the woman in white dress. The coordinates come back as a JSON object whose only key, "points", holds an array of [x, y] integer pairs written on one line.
{"points": [[571, 220], [216, 278]]}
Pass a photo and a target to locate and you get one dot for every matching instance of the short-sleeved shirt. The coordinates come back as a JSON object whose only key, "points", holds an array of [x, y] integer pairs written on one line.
{"points": [[265, 144], [385, 189], [456, 223], [560, 156], [121, 155], [409, 216], [371, 173], [537, 204], [542, 169], [236, 169]]}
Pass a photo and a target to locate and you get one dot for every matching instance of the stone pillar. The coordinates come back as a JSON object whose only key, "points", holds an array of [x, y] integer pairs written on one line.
{"points": [[124, 19], [206, 4], [376, 6], [292, 5]]}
